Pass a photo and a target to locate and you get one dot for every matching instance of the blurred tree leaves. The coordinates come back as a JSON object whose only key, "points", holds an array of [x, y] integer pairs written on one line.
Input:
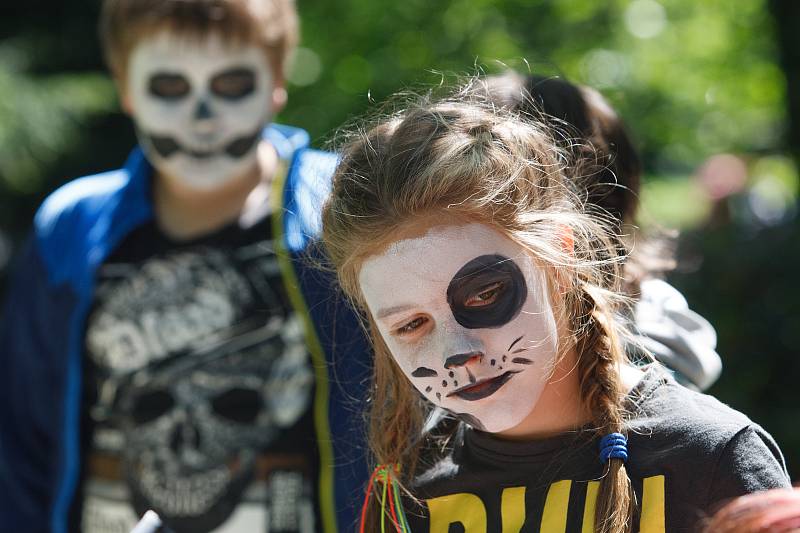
{"points": [[691, 78], [42, 117]]}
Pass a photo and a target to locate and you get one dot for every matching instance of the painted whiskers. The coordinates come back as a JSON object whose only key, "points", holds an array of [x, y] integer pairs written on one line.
{"points": [[458, 362]]}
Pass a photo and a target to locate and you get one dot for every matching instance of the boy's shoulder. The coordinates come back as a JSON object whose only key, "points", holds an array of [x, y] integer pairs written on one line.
{"points": [[76, 219], [79, 197], [292, 144], [307, 186]]}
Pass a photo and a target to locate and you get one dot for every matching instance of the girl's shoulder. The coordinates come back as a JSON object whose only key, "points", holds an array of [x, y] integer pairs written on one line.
{"points": [[658, 406], [715, 451]]}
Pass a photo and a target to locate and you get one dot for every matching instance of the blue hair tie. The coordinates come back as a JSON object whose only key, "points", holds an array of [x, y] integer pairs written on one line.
{"points": [[613, 446]]}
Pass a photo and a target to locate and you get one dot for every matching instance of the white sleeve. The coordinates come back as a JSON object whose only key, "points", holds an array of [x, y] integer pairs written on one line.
{"points": [[677, 336]]}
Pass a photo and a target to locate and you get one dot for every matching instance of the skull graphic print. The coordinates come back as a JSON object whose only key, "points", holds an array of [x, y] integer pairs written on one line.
{"points": [[466, 314], [203, 379], [195, 429], [199, 106]]}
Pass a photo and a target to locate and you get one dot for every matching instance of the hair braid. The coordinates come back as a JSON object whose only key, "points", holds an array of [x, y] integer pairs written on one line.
{"points": [[601, 390]]}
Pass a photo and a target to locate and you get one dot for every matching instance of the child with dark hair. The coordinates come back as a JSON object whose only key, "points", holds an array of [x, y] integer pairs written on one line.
{"points": [[503, 398], [596, 138], [163, 347]]}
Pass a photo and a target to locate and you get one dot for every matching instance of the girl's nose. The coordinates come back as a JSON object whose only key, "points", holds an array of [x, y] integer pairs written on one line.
{"points": [[462, 359]]}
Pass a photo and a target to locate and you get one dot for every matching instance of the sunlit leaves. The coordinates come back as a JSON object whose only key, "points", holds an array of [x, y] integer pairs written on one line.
{"points": [[41, 118]]}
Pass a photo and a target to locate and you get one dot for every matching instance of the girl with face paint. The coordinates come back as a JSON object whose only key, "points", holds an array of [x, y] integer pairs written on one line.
{"points": [[492, 301]]}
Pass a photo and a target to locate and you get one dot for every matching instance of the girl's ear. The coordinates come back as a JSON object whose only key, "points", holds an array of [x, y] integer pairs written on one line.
{"points": [[561, 280], [567, 238]]}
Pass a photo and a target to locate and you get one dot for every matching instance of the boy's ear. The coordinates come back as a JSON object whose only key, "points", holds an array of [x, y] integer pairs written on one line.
{"points": [[124, 95], [279, 97]]}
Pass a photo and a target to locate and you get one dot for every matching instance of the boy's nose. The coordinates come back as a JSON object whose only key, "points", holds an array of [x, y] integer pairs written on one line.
{"points": [[204, 118]]}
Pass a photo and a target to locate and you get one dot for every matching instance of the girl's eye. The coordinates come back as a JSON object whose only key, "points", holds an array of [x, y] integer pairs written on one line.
{"points": [[411, 326], [485, 297]]}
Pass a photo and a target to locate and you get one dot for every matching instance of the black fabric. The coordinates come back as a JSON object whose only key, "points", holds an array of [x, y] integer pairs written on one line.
{"points": [[198, 387], [706, 452]]}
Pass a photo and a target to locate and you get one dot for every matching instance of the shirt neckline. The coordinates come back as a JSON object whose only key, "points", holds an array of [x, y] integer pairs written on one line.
{"points": [[489, 446]]}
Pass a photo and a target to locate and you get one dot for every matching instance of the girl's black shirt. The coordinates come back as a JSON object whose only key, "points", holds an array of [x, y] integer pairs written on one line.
{"points": [[688, 455]]}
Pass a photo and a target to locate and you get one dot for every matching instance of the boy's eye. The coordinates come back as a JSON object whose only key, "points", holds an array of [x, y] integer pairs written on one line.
{"points": [[485, 297], [411, 326], [169, 86], [234, 84]]}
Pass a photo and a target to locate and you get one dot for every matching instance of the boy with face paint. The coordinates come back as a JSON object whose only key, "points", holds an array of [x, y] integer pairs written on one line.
{"points": [[163, 345]]}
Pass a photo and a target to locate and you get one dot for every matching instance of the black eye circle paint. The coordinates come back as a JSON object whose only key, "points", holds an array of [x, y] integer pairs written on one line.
{"points": [[234, 84], [168, 86], [474, 278]]}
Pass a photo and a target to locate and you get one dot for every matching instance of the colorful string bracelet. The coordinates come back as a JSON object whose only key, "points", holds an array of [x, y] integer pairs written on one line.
{"points": [[390, 493]]}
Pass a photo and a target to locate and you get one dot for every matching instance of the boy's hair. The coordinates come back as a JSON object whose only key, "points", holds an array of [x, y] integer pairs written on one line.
{"points": [[462, 157], [270, 24]]}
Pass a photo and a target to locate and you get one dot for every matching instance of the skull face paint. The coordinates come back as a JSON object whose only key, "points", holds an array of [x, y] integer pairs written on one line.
{"points": [[199, 106], [466, 314]]}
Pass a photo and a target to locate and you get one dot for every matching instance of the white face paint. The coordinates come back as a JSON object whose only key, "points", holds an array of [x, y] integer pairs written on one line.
{"points": [[466, 314], [199, 107]]}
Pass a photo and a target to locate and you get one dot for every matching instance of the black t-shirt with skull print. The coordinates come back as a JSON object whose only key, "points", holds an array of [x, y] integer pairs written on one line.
{"points": [[198, 389]]}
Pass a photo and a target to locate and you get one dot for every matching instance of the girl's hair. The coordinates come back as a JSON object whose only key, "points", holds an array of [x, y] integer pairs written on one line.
{"points": [[589, 127], [459, 156], [596, 138]]}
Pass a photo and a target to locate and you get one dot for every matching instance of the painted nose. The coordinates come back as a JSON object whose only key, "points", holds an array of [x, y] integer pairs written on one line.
{"points": [[204, 119], [459, 346], [461, 359], [203, 111]]}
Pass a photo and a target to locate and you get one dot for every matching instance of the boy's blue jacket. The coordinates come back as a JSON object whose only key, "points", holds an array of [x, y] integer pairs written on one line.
{"points": [[50, 294]]}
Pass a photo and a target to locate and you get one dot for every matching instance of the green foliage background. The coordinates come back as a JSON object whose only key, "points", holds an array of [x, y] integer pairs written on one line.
{"points": [[690, 78]]}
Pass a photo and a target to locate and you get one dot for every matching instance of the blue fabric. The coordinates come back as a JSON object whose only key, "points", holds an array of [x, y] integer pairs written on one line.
{"points": [[337, 326], [51, 291], [613, 446]]}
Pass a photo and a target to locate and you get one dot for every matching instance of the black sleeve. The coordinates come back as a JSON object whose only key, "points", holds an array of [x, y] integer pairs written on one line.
{"points": [[31, 335], [751, 461]]}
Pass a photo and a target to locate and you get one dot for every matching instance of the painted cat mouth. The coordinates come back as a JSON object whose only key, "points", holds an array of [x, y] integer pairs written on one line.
{"points": [[484, 388]]}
